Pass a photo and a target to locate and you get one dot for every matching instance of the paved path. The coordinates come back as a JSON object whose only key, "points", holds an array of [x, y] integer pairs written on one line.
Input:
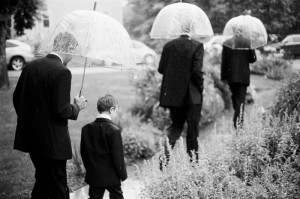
{"points": [[130, 189]]}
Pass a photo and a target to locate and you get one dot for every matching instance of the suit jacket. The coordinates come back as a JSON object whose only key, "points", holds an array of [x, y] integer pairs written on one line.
{"points": [[42, 103], [181, 66], [101, 150], [235, 65]]}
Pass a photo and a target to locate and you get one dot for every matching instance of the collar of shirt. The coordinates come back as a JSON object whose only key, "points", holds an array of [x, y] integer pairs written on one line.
{"points": [[53, 53], [99, 115]]}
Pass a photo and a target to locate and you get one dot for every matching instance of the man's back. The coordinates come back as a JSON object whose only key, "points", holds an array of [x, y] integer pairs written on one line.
{"points": [[181, 67], [42, 103], [102, 153]]}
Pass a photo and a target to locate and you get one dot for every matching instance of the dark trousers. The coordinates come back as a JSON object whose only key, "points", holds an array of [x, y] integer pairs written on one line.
{"points": [[50, 178], [238, 97], [179, 115], [115, 192]]}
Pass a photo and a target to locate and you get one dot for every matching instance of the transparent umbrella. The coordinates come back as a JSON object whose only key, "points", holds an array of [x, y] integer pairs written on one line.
{"points": [[181, 18], [93, 35], [245, 32]]}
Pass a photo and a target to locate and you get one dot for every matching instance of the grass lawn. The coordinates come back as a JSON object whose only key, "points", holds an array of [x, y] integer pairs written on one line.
{"points": [[16, 169]]}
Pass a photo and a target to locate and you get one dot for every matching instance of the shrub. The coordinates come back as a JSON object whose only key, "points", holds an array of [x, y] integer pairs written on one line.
{"points": [[140, 140], [260, 161], [288, 97], [272, 67]]}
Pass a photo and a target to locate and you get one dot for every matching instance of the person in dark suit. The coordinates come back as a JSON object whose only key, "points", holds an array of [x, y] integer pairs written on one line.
{"points": [[42, 103], [182, 86], [101, 150], [235, 71]]}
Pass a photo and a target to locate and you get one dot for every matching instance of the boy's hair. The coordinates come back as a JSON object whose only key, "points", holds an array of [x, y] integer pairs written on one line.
{"points": [[106, 102]]}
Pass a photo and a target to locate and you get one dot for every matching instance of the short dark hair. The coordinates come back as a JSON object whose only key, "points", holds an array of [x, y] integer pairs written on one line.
{"points": [[106, 102]]}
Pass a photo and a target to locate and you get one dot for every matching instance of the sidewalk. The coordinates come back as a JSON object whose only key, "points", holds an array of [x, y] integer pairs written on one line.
{"points": [[130, 188]]}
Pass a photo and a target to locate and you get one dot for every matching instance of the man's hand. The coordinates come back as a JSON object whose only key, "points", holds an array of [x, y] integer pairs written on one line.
{"points": [[80, 101]]}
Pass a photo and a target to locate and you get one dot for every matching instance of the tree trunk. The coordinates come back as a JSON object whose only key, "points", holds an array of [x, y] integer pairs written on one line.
{"points": [[4, 81]]}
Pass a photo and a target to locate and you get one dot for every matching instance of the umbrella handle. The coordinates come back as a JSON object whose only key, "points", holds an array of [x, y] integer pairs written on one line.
{"points": [[80, 92]]}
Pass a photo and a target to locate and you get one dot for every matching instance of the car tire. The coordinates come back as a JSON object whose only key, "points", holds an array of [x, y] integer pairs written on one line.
{"points": [[17, 63], [149, 60]]}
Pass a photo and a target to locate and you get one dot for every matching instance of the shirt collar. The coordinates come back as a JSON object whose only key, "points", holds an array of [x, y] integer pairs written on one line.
{"points": [[53, 53], [99, 115]]}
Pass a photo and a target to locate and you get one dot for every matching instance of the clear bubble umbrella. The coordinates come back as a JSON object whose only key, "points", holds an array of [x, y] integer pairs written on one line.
{"points": [[181, 18], [245, 32], [93, 35]]}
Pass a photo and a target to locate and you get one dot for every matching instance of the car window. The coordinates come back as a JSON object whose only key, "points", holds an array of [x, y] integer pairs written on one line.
{"points": [[288, 40], [10, 45], [296, 39]]}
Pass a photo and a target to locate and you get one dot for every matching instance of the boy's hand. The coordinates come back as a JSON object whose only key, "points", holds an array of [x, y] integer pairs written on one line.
{"points": [[80, 101]]}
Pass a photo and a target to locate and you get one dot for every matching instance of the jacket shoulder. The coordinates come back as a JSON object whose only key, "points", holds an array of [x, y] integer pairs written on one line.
{"points": [[114, 126]]}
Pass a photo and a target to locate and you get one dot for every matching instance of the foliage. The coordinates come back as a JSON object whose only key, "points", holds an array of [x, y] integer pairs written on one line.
{"points": [[272, 67], [24, 13], [288, 97], [260, 161], [140, 140], [279, 16]]}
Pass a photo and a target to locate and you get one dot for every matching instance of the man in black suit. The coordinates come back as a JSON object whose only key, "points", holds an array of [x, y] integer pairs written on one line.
{"points": [[42, 103], [101, 150], [182, 86], [235, 71]]}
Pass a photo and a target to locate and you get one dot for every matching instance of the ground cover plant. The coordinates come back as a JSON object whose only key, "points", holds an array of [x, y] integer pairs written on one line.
{"points": [[272, 67], [260, 161]]}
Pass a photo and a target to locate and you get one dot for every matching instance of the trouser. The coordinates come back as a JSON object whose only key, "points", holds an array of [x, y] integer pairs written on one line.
{"points": [[179, 115], [238, 97], [115, 192], [50, 178]]}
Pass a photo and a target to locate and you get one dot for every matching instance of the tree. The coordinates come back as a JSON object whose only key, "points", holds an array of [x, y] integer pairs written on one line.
{"points": [[279, 16], [24, 13]]}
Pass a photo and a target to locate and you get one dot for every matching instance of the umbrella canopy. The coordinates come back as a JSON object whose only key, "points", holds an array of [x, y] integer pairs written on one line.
{"points": [[246, 32], [96, 35], [181, 18]]}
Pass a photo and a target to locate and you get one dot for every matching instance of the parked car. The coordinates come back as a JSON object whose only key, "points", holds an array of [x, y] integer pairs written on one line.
{"points": [[290, 45], [17, 54], [144, 54]]}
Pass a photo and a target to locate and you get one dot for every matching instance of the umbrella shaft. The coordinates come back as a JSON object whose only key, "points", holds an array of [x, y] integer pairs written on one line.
{"points": [[80, 92]]}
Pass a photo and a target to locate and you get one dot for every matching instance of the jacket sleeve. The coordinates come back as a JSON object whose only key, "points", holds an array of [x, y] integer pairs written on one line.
{"points": [[223, 64], [252, 56], [196, 70], [61, 97], [163, 61], [118, 154], [18, 90]]}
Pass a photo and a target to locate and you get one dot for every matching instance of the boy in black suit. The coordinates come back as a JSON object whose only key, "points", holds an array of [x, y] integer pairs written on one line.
{"points": [[101, 149]]}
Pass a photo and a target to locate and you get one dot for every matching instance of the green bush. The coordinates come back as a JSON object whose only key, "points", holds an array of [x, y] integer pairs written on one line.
{"points": [[272, 67], [288, 97], [259, 161]]}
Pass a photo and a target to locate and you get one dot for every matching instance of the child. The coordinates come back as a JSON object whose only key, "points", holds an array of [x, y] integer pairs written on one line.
{"points": [[101, 150]]}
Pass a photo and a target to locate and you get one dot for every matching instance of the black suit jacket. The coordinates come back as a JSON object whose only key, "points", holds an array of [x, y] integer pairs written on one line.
{"points": [[235, 65], [42, 103], [181, 66], [101, 150]]}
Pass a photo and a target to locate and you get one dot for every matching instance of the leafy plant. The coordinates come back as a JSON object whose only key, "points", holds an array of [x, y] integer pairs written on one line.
{"points": [[259, 161], [272, 67], [288, 97]]}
